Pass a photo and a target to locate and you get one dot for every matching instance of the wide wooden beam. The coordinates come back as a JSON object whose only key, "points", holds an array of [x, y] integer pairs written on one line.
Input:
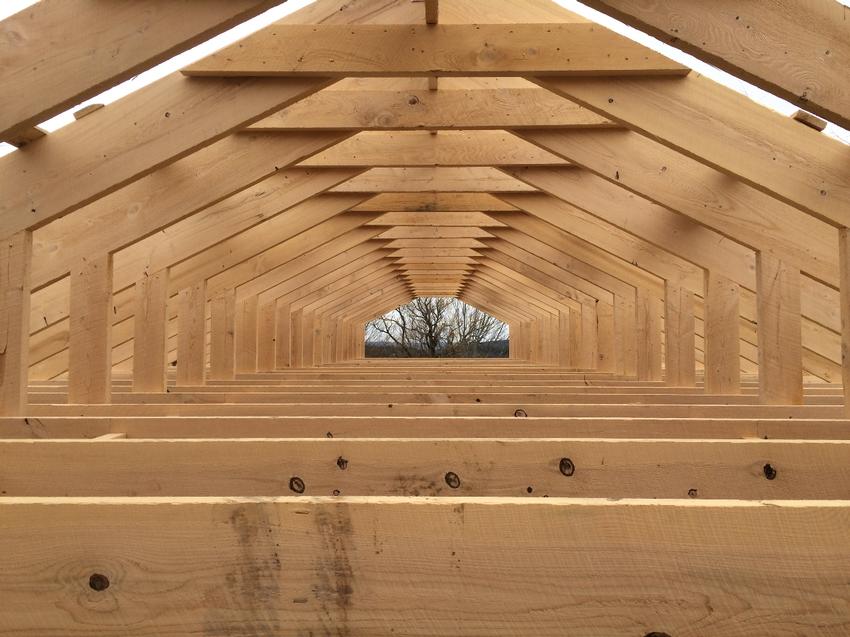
{"points": [[609, 468], [246, 335], [50, 63], [90, 331], [844, 258], [222, 331], [483, 180], [797, 50], [649, 358], [342, 550], [150, 338], [430, 201], [421, 148], [434, 50], [15, 275], [448, 108], [779, 332], [722, 341], [191, 334], [679, 345]]}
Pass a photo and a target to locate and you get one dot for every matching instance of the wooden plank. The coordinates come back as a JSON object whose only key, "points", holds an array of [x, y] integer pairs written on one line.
{"points": [[130, 138], [429, 180], [283, 343], [679, 346], [625, 325], [222, 330], [436, 421], [430, 201], [15, 276], [246, 335], [266, 336], [445, 50], [779, 332], [435, 232], [191, 334], [844, 259], [737, 136], [446, 109], [23, 136], [797, 50], [722, 342], [90, 331], [432, 11], [339, 552], [486, 467], [50, 64], [421, 148], [649, 358], [150, 332]]}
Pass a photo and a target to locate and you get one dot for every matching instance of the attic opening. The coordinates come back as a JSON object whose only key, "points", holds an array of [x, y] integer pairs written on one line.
{"points": [[437, 327]]}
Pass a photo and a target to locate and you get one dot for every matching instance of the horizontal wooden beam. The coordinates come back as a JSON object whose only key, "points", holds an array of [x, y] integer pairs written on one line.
{"points": [[634, 558], [440, 421], [447, 148], [370, 109], [446, 49], [433, 201], [428, 180], [602, 468]]}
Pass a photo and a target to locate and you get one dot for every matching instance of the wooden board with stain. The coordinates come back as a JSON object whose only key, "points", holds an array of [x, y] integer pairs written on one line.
{"points": [[389, 566]]}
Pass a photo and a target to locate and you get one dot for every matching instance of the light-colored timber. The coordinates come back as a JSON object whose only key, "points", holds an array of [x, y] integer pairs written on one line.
{"points": [[196, 437]]}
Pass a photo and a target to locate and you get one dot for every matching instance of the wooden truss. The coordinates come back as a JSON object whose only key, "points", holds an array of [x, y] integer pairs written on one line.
{"points": [[191, 438]]}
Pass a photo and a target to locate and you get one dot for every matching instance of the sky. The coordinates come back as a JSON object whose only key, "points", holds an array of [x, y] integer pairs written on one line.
{"points": [[9, 7]]}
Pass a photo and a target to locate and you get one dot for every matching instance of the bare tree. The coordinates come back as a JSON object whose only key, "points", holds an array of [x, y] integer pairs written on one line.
{"points": [[436, 326]]}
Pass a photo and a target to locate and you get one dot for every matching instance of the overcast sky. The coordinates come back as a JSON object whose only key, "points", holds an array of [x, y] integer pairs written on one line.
{"points": [[9, 7]]}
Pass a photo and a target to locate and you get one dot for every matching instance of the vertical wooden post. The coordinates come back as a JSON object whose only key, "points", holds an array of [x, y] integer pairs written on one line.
{"points": [[246, 335], [721, 331], [625, 334], [266, 336], [15, 277], [588, 346], [648, 321], [308, 332], [360, 335], [575, 339], [297, 339], [283, 325], [90, 331], [779, 332], [191, 334], [679, 345], [605, 342], [564, 358], [222, 336], [149, 333], [844, 272]]}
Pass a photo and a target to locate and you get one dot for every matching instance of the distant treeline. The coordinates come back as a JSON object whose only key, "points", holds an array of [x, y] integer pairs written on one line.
{"points": [[489, 349]]}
